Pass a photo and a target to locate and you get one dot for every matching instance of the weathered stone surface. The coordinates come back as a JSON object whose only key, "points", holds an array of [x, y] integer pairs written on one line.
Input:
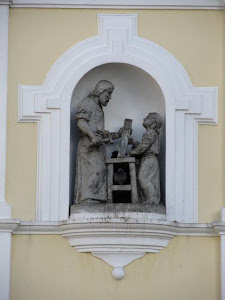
{"points": [[94, 183], [120, 160], [147, 150], [91, 183], [118, 207], [125, 138], [91, 171]]}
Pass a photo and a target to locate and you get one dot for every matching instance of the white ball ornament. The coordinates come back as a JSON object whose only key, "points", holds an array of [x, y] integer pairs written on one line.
{"points": [[118, 273]]}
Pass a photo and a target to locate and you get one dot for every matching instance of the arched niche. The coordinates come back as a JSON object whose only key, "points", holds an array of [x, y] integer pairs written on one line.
{"points": [[49, 106], [136, 94]]}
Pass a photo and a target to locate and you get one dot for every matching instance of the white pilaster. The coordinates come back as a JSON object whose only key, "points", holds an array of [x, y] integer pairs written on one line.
{"points": [[6, 228], [220, 228], [6, 225], [5, 209], [5, 258], [222, 256]]}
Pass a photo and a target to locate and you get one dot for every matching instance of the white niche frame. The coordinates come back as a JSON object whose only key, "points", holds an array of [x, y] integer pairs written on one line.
{"points": [[49, 106]]}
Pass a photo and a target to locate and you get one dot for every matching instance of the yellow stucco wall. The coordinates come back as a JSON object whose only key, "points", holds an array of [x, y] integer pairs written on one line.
{"points": [[37, 37], [46, 267]]}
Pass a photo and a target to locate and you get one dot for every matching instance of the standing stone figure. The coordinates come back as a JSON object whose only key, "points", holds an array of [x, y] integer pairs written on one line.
{"points": [[147, 150], [91, 172]]}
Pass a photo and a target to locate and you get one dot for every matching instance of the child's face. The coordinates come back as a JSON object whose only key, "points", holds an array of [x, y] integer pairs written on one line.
{"points": [[148, 121]]}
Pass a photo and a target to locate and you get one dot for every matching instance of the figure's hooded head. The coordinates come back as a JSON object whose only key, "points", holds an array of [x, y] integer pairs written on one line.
{"points": [[103, 90], [102, 86]]}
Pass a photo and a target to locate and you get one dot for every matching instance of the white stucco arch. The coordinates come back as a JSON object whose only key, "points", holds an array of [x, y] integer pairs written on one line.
{"points": [[49, 105]]}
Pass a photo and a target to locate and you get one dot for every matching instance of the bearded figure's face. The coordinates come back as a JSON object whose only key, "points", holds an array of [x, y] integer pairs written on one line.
{"points": [[105, 97]]}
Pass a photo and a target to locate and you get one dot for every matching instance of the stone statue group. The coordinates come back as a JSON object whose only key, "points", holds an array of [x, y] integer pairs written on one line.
{"points": [[91, 171]]}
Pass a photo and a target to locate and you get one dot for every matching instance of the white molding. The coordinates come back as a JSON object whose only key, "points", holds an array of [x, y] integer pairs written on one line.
{"points": [[43, 228], [178, 229], [120, 4], [5, 2], [8, 226], [5, 209], [49, 106]]}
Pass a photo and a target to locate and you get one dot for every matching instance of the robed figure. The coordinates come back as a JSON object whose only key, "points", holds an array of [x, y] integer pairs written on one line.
{"points": [[91, 172]]}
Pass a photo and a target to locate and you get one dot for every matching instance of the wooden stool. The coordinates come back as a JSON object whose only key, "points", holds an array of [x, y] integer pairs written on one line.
{"points": [[132, 187]]}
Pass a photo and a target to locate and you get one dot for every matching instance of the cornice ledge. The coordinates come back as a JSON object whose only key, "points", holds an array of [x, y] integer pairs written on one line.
{"points": [[121, 4], [63, 227], [219, 227], [8, 226], [6, 2], [34, 227]]}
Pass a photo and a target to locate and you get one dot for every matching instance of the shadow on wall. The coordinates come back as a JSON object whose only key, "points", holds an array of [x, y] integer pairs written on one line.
{"points": [[136, 94]]}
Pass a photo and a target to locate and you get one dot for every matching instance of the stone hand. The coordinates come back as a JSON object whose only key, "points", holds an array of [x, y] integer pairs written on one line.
{"points": [[120, 131], [131, 141], [107, 136], [105, 133], [96, 141]]}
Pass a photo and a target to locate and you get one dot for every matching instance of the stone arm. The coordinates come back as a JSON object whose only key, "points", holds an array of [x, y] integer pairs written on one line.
{"points": [[86, 129], [133, 142], [116, 135], [141, 147], [113, 135]]}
